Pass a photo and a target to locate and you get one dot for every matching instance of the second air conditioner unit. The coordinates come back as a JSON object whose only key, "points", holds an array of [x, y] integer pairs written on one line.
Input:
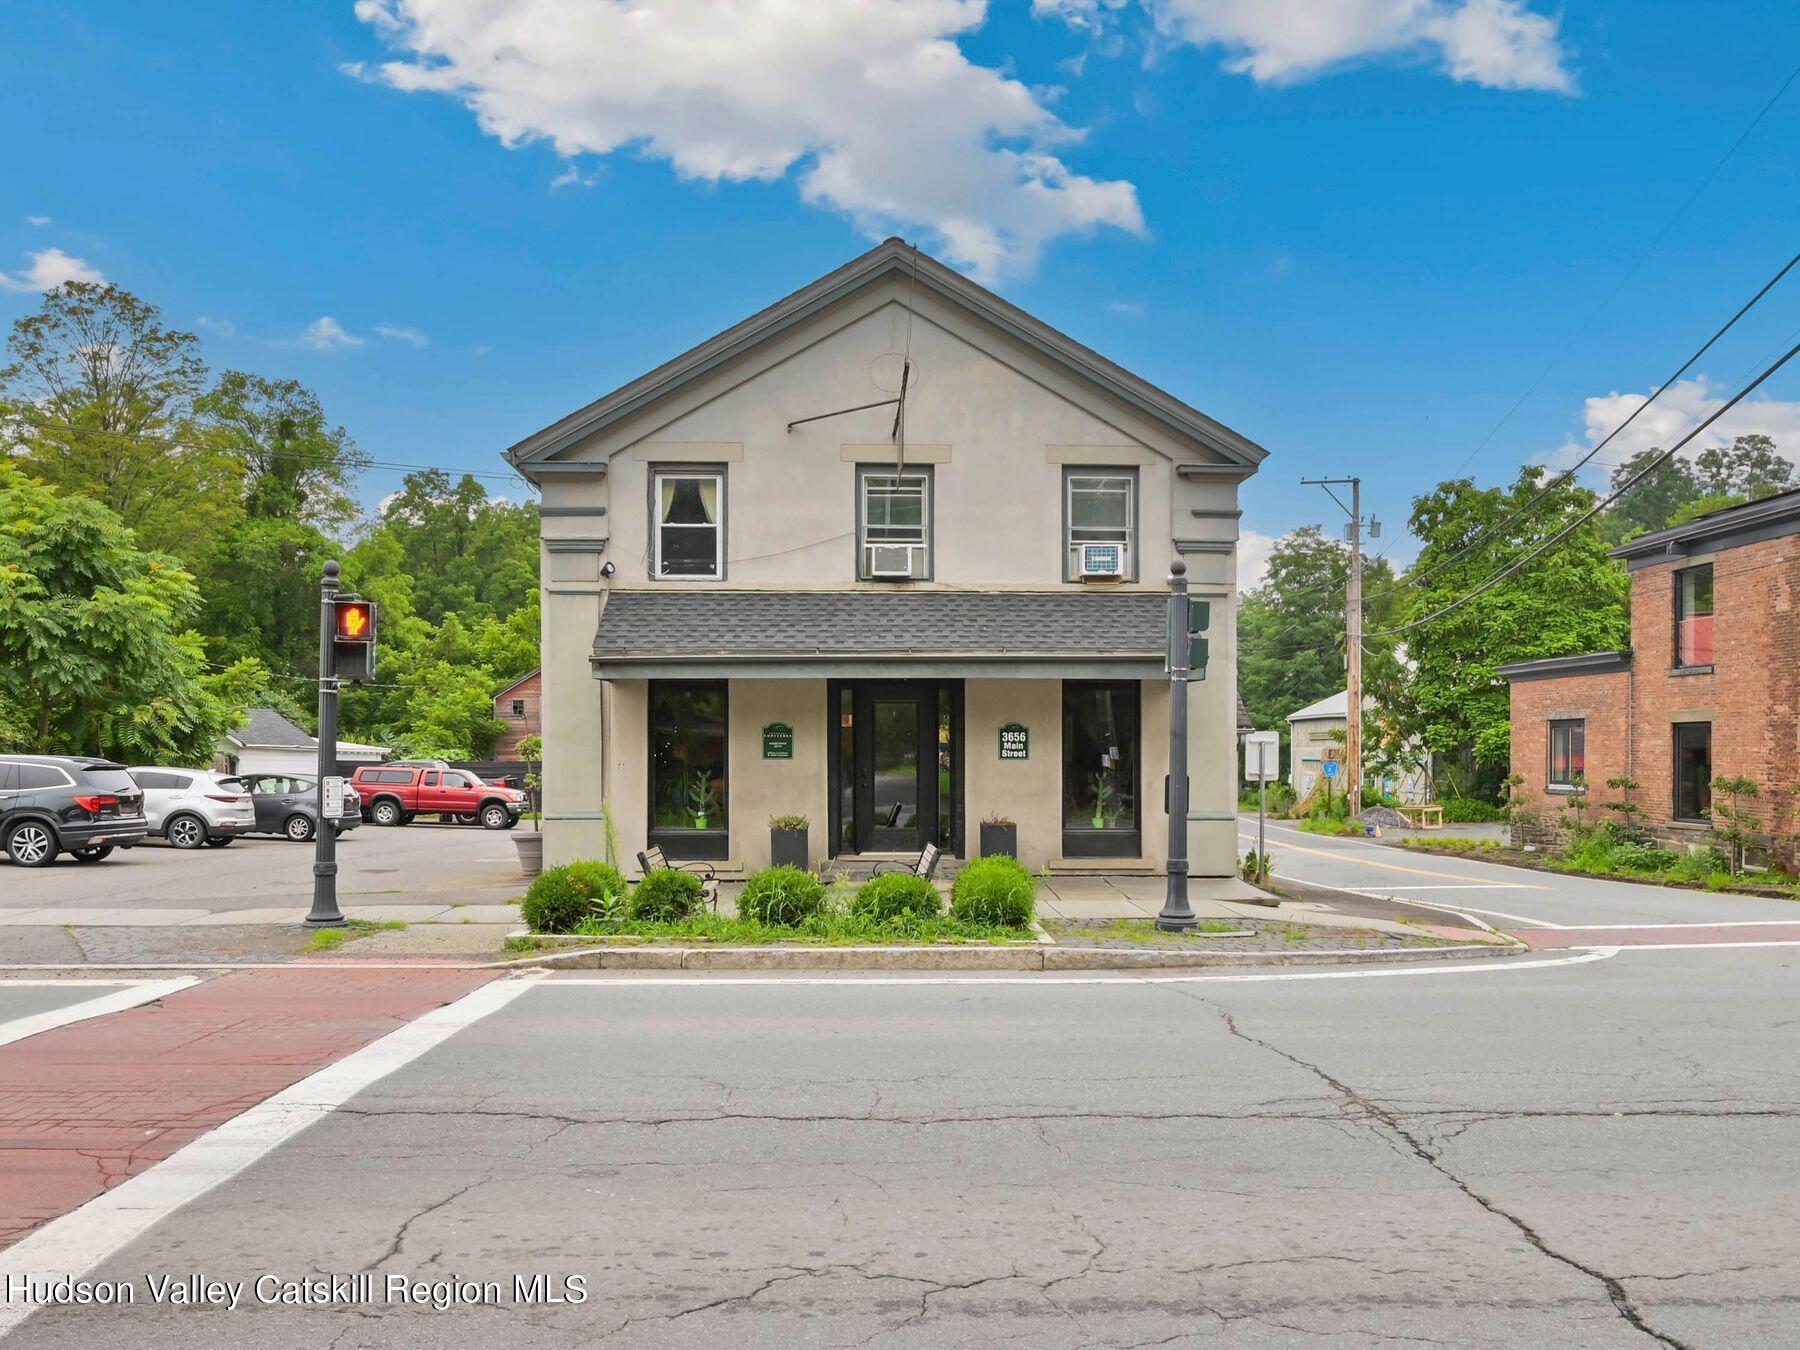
{"points": [[1102, 560]]}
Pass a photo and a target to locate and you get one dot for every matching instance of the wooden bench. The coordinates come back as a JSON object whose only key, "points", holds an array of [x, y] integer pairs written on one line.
{"points": [[653, 859], [1429, 816]]}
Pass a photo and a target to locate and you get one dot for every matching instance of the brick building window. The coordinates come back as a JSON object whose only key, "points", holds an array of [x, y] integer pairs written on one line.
{"points": [[1694, 616], [1693, 771], [1568, 753]]}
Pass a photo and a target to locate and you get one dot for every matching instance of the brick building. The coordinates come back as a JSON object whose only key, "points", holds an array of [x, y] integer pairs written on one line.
{"points": [[1710, 687], [518, 705]]}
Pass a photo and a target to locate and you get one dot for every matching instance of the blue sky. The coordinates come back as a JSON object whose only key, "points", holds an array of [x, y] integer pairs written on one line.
{"points": [[1355, 230]]}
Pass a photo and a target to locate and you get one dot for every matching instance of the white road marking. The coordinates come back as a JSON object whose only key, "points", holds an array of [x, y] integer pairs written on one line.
{"points": [[1471, 886], [1424, 904], [1027, 980], [134, 995], [1692, 946], [1714, 923], [80, 1240]]}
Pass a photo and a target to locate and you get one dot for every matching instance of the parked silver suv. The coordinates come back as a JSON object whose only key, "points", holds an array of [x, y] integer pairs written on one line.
{"points": [[191, 807]]}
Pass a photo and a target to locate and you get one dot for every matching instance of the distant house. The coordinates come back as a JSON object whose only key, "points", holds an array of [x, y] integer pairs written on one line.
{"points": [[268, 743], [1321, 727], [519, 706], [1709, 688]]}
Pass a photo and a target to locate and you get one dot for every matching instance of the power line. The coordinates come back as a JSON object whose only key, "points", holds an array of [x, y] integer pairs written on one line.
{"points": [[1414, 578], [1598, 507]]}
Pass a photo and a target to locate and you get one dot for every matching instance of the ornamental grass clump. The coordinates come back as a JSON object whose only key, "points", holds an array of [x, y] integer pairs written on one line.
{"points": [[896, 895], [784, 896], [562, 897], [667, 896], [995, 890]]}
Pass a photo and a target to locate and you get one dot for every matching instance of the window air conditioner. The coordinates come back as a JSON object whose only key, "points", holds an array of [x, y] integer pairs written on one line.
{"points": [[895, 560], [1102, 560]]}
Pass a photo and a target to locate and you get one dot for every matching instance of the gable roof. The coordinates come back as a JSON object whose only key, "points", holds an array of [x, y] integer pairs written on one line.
{"points": [[268, 729], [1332, 705], [891, 257]]}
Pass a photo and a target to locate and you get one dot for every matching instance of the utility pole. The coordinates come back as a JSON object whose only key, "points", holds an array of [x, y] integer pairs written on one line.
{"points": [[1353, 625]]}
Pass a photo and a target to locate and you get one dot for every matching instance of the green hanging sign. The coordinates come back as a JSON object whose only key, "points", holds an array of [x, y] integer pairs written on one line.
{"points": [[778, 741]]}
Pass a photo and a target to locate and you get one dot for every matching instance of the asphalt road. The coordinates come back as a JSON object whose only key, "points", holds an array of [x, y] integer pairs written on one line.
{"points": [[414, 864], [1580, 1150], [1508, 897]]}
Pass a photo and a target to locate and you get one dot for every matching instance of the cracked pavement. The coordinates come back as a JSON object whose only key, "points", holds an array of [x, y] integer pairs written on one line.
{"points": [[1596, 1155]]}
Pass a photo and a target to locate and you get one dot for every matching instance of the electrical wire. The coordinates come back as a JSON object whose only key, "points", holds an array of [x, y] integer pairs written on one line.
{"points": [[1598, 507]]}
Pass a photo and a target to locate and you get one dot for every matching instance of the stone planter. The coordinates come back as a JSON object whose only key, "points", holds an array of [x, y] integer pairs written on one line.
{"points": [[531, 851], [787, 848], [999, 839]]}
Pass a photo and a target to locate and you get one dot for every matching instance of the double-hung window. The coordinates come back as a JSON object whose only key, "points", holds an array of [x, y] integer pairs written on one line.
{"points": [[1568, 753], [1100, 507], [688, 524], [1693, 771], [1694, 616], [894, 524]]}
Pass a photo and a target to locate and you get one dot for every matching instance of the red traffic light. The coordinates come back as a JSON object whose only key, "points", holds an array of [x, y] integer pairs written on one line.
{"points": [[354, 622]]}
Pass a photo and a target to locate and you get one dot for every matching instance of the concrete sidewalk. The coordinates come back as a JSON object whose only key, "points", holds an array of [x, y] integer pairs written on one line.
{"points": [[94, 916]]}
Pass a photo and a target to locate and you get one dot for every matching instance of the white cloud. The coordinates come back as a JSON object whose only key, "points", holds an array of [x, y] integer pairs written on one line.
{"points": [[572, 176], [50, 268], [1503, 44], [401, 333], [224, 328], [39, 221], [870, 103], [1130, 308], [326, 334], [1666, 421], [1253, 550]]}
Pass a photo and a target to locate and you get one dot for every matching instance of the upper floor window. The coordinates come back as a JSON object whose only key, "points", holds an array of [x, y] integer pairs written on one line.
{"points": [[1694, 616], [689, 525], [518, 707], [893, 524], [1568, 753], [1100, 508]]}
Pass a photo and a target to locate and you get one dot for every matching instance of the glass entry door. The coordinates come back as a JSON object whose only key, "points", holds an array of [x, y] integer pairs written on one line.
{"points": [[894, 776]]}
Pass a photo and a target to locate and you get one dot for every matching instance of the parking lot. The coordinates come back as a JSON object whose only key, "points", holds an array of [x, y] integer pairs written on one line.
{"points": [[421, 863]]}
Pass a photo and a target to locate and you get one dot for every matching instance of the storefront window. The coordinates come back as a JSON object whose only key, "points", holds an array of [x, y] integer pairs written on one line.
{"points": [[1693, 770], [1100, 770], [687, 769]]}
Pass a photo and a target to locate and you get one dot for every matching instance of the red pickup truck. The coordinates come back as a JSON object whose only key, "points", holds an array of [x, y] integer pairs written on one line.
{"points": [[393, 794]]}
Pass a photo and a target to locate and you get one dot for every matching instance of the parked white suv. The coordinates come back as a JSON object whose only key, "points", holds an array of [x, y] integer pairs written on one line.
{"points": [[191, 807]]}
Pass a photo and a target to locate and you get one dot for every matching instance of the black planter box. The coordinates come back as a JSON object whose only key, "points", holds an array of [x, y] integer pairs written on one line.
{"points": [[787, 848], [999, 839]]}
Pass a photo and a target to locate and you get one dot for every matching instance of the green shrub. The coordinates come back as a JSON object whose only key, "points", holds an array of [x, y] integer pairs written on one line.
{"points": [[781, 895], [895, 895], [563, 896], [994, 890], [1471, 811], [667, 895]]}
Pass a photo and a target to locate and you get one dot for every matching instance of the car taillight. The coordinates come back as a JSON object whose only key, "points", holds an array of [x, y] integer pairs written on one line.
{"points": [[225, 797], [95, 803]]}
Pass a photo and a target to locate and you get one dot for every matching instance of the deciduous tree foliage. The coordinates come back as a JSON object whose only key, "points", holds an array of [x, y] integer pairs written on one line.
{"points": [[1677, 491], [1571, 600]]}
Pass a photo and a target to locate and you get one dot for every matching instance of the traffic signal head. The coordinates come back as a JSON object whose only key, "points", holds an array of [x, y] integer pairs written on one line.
{"points": [[353, 639], [1199, 620]]}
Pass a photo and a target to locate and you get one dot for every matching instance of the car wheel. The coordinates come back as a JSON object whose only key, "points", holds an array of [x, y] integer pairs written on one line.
{"points": [[496, 818], [298, 828], [186, 832], [90, 854], [463, 817], [220, 840], [31, 845], [387, 813]]}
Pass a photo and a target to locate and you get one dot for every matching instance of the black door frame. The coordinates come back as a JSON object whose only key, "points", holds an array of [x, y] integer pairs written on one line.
{"points": [[928, 694]]}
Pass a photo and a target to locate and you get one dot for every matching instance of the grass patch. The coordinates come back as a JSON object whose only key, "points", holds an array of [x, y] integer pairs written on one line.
{"points": [[1454, 844], [1330, 825], [827, 928], [330, 939], [1145, 932]]}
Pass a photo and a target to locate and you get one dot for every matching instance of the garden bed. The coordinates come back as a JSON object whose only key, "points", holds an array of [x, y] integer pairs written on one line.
{"points": [[1486, 850], [1241, 935]]}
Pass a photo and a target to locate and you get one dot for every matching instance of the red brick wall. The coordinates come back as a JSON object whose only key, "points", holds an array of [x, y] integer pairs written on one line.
{"points": [[530, 691], [1599, 699], [1749, 696]]}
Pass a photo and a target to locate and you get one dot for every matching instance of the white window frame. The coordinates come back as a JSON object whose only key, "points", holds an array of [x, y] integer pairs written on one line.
{"points": [[923, 478], [1075, 536], [1568, 726], [657, 479]]}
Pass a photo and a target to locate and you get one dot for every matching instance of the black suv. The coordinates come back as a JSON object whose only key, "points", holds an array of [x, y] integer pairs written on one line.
{"points": [[53, 803]]}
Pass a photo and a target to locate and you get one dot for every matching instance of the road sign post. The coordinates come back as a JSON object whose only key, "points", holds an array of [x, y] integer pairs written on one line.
{"points": [[1177, 914], [1262, 762], [325, 912]]}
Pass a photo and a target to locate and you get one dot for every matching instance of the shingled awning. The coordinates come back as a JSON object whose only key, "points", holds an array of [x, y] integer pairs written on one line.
{"points": [[671, 633]]}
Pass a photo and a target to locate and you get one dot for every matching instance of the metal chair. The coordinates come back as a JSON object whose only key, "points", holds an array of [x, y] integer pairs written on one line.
{"points": [[653, 859], [923, 866]]}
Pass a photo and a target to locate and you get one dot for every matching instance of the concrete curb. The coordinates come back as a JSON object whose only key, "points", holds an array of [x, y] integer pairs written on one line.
{"points": [[1021, 958]]}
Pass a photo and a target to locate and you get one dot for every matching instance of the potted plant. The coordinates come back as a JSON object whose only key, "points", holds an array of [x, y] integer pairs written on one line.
{"points": [[1103, 800], [531, 845], [999, 836], [699, 798], [787, 841]]}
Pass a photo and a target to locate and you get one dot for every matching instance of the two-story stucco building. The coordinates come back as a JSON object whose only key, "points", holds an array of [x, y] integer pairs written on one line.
{"points": [[894, 626]]}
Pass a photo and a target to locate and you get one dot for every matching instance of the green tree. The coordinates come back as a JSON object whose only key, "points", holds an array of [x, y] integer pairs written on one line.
{"points": [[95, 653], [1680, 490], [466, 552], [101, 395], [1570, 600], [295, 464], [1652, 504], [1749, 468]]}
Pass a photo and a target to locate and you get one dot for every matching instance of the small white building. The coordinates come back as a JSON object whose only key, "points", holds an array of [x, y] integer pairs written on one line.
{"points": [[269, 743], [1322, 726]]}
